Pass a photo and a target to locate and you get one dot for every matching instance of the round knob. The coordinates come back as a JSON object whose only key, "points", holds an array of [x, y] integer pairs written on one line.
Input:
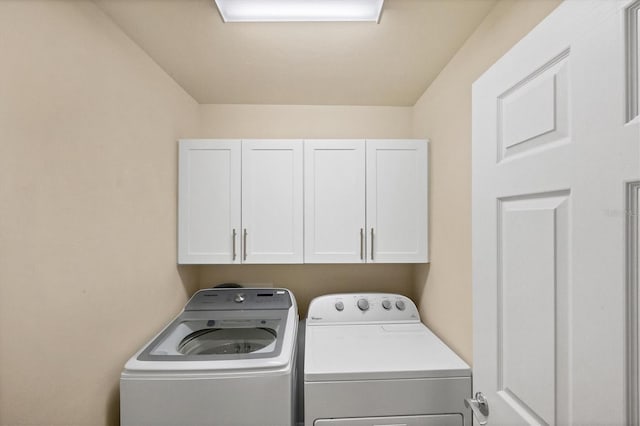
{"points": [[363, 304], [386, 304], [239, 298], [339, 306], [400, 305]]}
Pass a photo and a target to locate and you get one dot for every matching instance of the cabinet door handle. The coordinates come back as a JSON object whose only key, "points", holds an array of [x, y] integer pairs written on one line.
{"points": [[234, 244], [244, 244], [361, 244], [371, 243]]}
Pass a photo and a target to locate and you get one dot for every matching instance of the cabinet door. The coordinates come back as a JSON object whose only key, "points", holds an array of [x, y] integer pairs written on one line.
{"points": [[397, 179], [334, 201], [209, 201], [272, 201]]}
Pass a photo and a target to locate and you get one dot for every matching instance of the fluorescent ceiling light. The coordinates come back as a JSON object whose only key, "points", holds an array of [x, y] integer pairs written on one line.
{"points": [[299, 10]]}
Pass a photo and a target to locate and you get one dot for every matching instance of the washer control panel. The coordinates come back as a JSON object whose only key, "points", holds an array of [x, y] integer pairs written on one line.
{"points": [[227, 299], [362, 307]]}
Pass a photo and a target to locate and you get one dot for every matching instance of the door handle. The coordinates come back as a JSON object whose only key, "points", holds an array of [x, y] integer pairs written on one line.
{"points": [[371, 243], [234, 243], [244, 244], [394, 424], [361, 244], [479, 407]]}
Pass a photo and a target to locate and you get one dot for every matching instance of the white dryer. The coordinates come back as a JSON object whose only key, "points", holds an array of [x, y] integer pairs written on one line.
{"points": [[370, 361], [228, 359]]}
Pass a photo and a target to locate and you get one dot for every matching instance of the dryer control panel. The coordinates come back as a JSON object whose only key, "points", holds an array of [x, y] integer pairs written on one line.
{"points": [[362, 308]]}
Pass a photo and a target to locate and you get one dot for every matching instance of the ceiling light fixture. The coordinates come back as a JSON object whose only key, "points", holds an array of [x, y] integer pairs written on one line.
{"points": [[299, 10]]}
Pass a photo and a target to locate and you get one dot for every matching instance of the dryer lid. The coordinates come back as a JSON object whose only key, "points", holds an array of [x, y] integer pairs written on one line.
{"points": [[378, 351]]}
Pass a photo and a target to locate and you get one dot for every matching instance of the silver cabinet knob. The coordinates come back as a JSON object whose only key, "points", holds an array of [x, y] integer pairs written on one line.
{"points": [[479, 407], [386, 304], [363, 304], [400, 305], [339, 306], [239, 298]]}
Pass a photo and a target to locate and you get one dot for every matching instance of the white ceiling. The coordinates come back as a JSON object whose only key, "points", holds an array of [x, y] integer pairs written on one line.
{"points": [[390, 63]]}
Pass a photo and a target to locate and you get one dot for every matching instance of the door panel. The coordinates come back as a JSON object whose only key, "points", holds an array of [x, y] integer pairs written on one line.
{"points": [[209, 201], [534, 112], [531, 285], [334, 201], [397, 188], [551, 155], [272, 201]]}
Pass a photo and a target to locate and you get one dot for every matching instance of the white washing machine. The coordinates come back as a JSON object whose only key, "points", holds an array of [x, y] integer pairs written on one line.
{"points": [[228, 359], [370, 361]]}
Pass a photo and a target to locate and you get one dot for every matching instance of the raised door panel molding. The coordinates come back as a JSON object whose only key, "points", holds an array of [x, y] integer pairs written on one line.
{"points": [[272, 201], [397, 201], [535, 112], [209, 201], [632, 25], [334, 201], [533, 329], [633, 296]]}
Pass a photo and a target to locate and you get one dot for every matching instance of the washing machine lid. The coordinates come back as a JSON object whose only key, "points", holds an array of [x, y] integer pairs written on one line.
{"points": [[224, 332], [378, 351], [219, 336]]}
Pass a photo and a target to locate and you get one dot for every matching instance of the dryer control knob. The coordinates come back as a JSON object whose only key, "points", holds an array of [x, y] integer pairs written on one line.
{"points": [[386, 304], [363, 304], [239, 298], [400, 305], [339, 306]]}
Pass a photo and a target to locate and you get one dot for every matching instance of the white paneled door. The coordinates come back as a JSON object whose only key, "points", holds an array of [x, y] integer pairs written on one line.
{"points": [[272, 204], [556, 162]]}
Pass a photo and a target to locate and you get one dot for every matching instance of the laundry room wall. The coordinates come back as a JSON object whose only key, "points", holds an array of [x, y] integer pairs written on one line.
{"points": [[443, 113], [310, 121], [88, 170]]}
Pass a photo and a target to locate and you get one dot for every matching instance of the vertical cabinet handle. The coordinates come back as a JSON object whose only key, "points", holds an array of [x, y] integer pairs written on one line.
{"points": [[371, 243], [361, 244], [244, 244], [234, 243]]}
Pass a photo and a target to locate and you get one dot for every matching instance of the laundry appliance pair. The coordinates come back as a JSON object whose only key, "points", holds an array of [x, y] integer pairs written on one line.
{"points": [[230, 359]]}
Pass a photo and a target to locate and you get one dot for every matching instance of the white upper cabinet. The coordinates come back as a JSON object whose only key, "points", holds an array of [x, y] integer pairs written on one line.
{"points": [[289, 201], [334, 201], [209, 202], [397, 193], [366, 201], [272, 204]]}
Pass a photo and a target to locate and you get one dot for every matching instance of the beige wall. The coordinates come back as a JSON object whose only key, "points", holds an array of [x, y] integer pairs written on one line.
{"points": [[88, 125], [309, 281], [303, 121], [443, 114]]}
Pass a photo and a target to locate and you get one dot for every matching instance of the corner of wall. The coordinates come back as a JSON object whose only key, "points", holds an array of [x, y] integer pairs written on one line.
{"points": [[443, 114]]}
